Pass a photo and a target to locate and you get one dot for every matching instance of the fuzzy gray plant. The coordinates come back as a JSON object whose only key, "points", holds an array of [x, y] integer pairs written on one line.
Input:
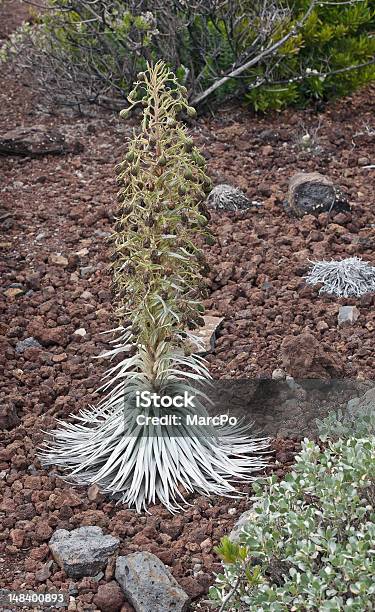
{"points": [[226, 197], [350, 277]]}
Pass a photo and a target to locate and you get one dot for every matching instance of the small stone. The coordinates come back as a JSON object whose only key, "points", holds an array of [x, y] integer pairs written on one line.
{"points": [[17, 536], [27, 343], [44, 573], [206, 545], [93, 492], [86, 295], [43, 532], [267, 150], [322, 326], [363, 161], [83, 551], [149, 585], [82, 252], [109, 597], [33, 281], [232, 511], [278, 374], [8, 416], [348, 315], [80, 332], [67, 498], [47, 336], [59, 260], [86, 271], [14, 292], [59, 358]]}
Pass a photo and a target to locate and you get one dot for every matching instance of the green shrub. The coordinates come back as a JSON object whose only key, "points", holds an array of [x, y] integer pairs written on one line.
{"points": [[310, 544], [359, 422], [334, 37], [84, 52]]}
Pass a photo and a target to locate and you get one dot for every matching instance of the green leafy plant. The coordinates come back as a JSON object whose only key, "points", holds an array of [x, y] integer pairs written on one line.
{"points": [[269, 53], [357, 420], [158, 270], [309, 545], [319, 61], [340, 425]]}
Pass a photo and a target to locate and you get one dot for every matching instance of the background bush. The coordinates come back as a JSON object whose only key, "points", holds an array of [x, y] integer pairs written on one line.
{"points": [[90, 51], [310, 543]]}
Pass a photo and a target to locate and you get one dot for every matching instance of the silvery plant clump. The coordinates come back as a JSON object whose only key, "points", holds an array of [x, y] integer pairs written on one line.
{"points": [[226, 197], [351, 277], [158, 272]]}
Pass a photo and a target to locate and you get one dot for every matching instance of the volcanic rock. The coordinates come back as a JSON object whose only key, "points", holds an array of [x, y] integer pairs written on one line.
{"points": [[109, 597], [312, 193], [83, 551], [304, 357], [36, 140], [149, 585]]}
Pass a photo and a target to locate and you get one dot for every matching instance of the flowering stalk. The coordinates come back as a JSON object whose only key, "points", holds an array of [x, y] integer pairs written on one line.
{"points": [[158, 271]]}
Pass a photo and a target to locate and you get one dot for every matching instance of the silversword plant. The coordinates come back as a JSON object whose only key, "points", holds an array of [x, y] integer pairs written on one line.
{"points": [[158, 270], [350, 277]]}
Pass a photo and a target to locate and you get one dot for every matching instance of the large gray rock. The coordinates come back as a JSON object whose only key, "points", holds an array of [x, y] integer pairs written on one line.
{"points": [[244, 519], [83, 551], [311, 193], [36, 140], [148, 584]]}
